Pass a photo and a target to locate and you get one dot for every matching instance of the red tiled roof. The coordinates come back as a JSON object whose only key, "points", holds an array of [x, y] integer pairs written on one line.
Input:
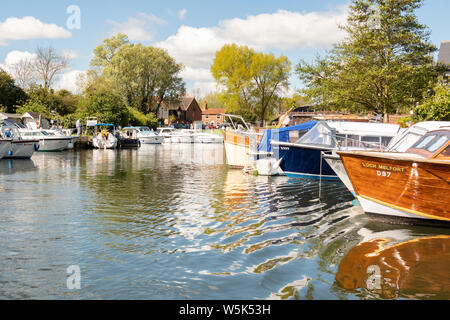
{"points": [[214, 111]]}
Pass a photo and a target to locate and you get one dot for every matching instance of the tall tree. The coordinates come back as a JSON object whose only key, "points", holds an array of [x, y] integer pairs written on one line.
{"points": [[48, 64], [384, 64], [253, 80], [143, 76]]}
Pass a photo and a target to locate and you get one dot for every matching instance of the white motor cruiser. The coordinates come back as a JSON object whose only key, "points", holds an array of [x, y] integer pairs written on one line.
{"points": [[204, 137], [147, 136], [182, 136], [20, 146], [166, 133]]}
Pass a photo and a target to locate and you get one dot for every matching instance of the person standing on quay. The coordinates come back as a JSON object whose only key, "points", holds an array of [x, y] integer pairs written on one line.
{"points": [[78, 127]]}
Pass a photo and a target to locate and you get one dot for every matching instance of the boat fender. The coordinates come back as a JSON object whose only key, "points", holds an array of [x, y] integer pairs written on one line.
{"points": [[10, 153], [36, 147]]}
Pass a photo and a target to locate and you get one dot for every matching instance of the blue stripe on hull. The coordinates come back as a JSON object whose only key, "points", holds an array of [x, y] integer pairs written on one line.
{"points": [[303, 162], [309, 176]]}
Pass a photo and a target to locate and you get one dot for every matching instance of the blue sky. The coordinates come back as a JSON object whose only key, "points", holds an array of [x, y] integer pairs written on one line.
{"points": [[190, 30]]}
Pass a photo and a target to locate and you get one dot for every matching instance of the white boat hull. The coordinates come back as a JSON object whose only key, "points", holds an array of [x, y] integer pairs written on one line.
{"points": [[151, 140], [181, 139], [338, 168], [372, 207], [101, 143], [57, 144], [237, 155], [22, 149], [207, 138], [5, 147]]}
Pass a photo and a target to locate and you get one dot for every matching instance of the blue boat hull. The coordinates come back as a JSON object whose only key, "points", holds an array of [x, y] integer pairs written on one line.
{"points": [[303, 162]]}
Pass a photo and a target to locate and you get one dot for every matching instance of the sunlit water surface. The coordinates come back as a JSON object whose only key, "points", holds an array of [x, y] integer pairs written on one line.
{"points": [[174, 222]]}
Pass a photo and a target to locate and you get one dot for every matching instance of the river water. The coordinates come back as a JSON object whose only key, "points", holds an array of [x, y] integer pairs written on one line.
{"points": [[174, 222]]}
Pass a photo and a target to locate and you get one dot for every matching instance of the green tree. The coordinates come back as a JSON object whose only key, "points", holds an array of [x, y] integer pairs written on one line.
{"points": [[253, 80], [104, 104], [436, 106], [10, 94], [143, 76], [384, 64]]}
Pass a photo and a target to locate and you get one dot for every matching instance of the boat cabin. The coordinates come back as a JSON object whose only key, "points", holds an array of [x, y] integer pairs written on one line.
{"points": [[332, 134], [433, 145]]}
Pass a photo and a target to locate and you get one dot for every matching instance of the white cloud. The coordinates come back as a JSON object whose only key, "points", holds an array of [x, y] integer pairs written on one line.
{"points": [[283, 30], [181, 14], [68, 80], [28, 28], [137, 29], [15, 57]]}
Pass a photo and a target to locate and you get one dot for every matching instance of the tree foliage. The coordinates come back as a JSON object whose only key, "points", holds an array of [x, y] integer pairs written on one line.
{"points": [[384, 65], [437, 106], [252, 80], [10, 94], [142, 76]]}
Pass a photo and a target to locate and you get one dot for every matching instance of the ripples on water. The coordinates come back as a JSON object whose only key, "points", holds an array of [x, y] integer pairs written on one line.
{"points": [[173, 222]]}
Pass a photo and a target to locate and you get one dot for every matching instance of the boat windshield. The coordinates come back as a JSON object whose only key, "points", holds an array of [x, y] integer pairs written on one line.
{"points": [[321, 135]]}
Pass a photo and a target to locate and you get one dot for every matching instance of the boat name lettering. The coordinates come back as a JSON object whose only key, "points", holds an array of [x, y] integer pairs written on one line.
{"points": [[382, 167]]}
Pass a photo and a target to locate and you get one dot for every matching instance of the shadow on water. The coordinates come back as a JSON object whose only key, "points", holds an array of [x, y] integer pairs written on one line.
{"points": [[174, 222]]}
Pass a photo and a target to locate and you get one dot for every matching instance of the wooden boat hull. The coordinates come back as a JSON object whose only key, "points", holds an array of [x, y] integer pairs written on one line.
{"points": [[400, 188], [237, 147]]}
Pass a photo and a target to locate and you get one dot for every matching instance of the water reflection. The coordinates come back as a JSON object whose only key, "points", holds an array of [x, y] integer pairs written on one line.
{"points": [[404, 266], [173, 222]]}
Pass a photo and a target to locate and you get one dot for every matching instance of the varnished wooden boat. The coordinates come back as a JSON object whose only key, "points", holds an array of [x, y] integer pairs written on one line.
{"points": [[411, 187]]}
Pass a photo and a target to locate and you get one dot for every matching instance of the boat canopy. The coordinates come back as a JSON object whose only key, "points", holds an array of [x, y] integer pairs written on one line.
{"points": [[332, 134], [104, 125], [287, 134]]}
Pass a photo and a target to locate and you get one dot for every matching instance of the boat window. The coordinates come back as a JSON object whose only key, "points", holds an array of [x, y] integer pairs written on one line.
{"points": [[385, 141], [370, 141], [424, 142], [352, 140], [437, 144], [445, 153], [45, 133]]}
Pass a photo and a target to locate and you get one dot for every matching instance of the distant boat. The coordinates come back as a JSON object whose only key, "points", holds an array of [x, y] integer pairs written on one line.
{"points": [[166, 133], [104, 139], [410, 187], [147, 136], [303, 159], [182, 136], [204, 137], [128, 138], [400, 143]]}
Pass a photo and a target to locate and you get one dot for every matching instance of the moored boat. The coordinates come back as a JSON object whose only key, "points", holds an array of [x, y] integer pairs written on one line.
{"points": [[408, 187], [128, 138], [104, 139], [400, 143], [204, 137], [20, 146], [237, 142], [303, 159], [147, 136]]}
